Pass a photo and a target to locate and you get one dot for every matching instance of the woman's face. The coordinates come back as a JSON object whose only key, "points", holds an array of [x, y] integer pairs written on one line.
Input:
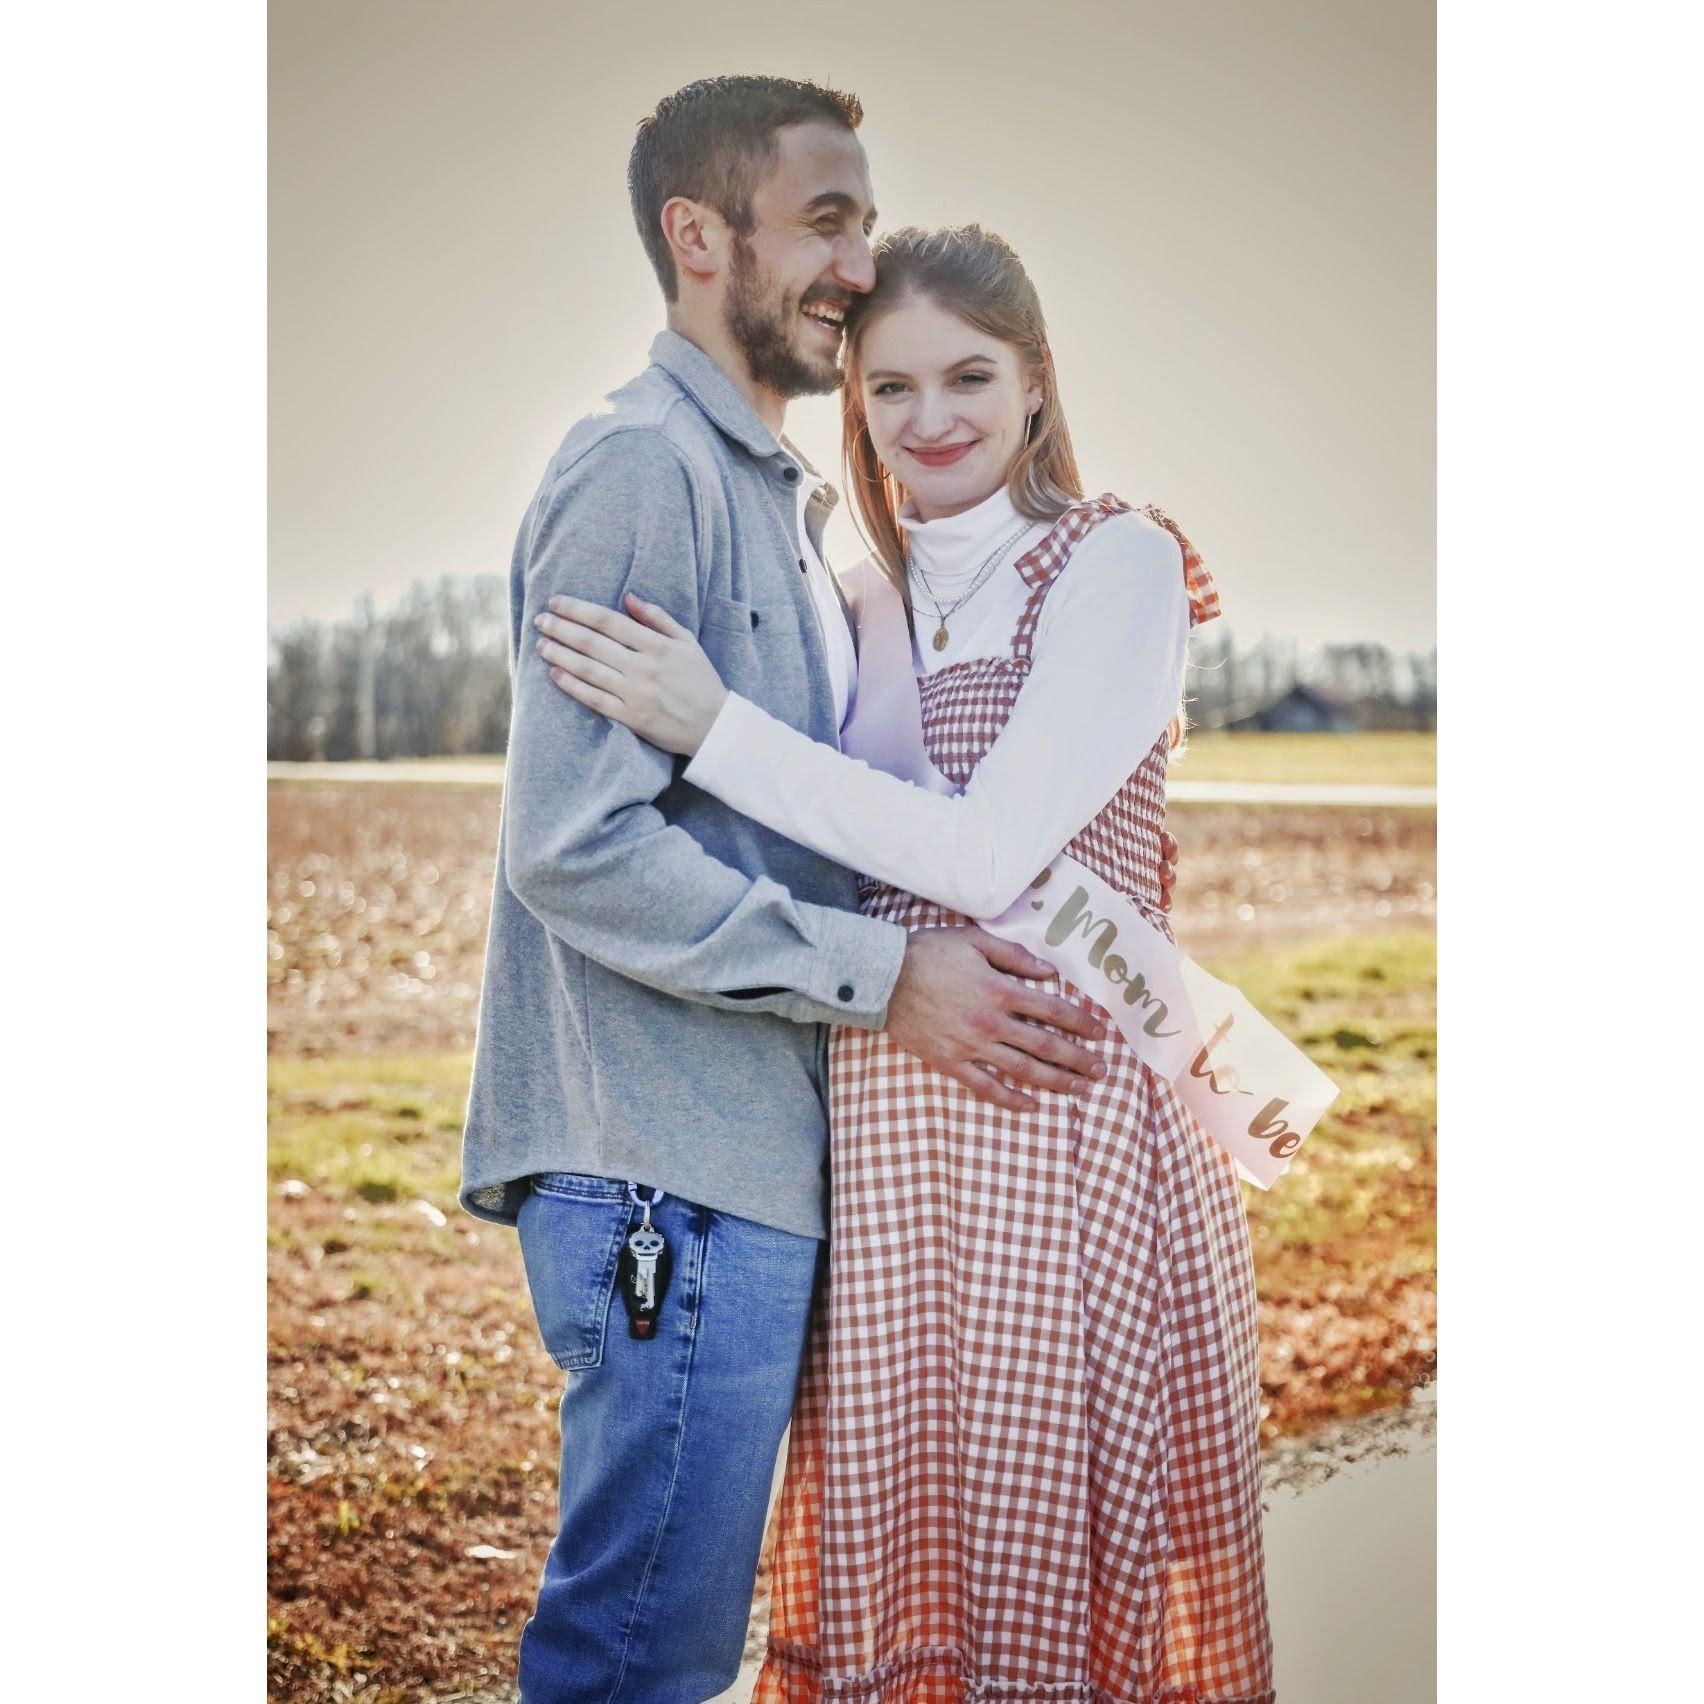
{"points": [[947, 405]]}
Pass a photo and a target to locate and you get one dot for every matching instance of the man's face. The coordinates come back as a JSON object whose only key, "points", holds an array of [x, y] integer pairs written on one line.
{"points": [[790, 282]]}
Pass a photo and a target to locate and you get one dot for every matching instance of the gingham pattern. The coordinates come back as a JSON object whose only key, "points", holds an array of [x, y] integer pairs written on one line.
{"points": [[1024, 1461], [1039, 567]]}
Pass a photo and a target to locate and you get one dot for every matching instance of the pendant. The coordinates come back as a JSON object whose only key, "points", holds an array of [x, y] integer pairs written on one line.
{"points": [[940, 640]]}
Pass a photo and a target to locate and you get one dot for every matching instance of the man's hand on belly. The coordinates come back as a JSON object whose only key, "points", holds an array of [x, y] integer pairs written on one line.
{"points": [[961, 1006]]}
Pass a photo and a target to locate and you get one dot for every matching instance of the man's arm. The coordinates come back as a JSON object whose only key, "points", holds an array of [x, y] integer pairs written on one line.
{"points": [[587, 851]]}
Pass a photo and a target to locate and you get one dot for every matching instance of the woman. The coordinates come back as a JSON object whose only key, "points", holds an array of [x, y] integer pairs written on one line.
{"points": [[1024, 1458]]}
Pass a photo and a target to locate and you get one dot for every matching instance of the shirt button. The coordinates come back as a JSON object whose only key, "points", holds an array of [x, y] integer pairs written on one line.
{"points": [[802, 568], [846, 991], [791, 475]]}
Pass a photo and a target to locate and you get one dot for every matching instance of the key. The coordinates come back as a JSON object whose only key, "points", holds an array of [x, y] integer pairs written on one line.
{"points": [[647, 1246], [643, 1272]]}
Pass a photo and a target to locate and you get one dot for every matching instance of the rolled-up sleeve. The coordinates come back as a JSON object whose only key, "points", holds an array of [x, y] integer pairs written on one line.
{"points": [[585, 848]]}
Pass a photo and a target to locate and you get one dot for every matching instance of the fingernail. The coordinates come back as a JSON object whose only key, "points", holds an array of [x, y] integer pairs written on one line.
{"points": [[1100, 1067]]}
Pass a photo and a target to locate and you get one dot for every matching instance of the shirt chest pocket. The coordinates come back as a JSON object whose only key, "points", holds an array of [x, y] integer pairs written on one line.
{"points": [[757, 648], [748, 620]]}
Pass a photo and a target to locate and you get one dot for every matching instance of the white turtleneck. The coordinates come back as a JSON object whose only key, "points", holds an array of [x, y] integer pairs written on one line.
{"points": [[1104, 682]]}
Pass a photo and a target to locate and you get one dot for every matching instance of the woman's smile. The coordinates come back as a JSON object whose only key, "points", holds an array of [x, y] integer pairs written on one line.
{"points": [[943, 455]]}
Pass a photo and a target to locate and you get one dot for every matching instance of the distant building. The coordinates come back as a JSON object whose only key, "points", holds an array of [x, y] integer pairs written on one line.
{"points": [[1298, 710]]}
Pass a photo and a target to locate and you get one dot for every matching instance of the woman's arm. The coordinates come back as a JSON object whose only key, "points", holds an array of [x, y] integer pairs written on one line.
{"points": [[1104, 684]]}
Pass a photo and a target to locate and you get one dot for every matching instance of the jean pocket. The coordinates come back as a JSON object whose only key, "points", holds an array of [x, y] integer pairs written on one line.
{"points": [[572, 1229]]}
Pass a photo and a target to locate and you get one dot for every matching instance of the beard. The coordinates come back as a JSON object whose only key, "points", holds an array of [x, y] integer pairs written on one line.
{"points": [[767, 332]]}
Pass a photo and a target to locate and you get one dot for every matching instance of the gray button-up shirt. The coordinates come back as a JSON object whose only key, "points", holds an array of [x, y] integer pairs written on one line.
{"points": [[659, 969]]}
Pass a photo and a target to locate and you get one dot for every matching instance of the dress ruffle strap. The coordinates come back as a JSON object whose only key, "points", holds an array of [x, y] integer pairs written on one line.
{"points": [[1039, 566], [1203, 594]]}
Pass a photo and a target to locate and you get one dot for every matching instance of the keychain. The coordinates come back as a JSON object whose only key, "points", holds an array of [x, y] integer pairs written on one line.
{"points": [[643, 1271]]}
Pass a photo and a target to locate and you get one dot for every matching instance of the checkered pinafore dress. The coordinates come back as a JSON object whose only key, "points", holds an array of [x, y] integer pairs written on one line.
{"points": [[1024, 1462]]}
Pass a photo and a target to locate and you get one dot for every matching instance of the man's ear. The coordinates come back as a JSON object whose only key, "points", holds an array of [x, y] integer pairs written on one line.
{"points": [[696, 236]]}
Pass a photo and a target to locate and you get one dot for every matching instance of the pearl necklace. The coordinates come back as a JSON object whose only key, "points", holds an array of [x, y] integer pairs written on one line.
{"points": [[982, 577]]}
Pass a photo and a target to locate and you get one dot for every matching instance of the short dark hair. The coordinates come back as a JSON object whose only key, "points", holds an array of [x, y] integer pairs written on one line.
{"points": [[714, 141]]}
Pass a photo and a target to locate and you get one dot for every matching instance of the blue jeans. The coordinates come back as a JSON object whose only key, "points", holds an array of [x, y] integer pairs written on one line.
{"points": [[668, 1444]]}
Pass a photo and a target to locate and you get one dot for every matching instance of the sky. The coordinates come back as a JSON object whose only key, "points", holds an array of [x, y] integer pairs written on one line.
{"points": [[1227, 207]]}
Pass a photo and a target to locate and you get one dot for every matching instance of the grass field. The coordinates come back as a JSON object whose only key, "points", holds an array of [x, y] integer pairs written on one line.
{"points": [[1345, 1244], [1395, 759]]}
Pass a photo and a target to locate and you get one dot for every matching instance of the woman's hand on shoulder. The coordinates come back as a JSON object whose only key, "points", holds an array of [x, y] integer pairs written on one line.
{"points": [[643, 670]]}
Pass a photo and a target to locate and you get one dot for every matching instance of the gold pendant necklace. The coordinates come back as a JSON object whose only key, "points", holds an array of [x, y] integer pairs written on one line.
{"points": [[983, 575]]}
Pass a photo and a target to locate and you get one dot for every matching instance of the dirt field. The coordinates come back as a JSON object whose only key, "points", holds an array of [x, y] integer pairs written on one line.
{"points": [[378, 896], [411, 1413]]}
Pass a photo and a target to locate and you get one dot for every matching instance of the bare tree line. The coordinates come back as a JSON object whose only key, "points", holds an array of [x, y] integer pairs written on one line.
{"points": [[430, 678], [1373, 685], [427, 678]]}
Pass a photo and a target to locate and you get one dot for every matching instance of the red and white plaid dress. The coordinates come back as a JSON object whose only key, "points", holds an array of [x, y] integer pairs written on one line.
{"points": [[1024, 1463]]}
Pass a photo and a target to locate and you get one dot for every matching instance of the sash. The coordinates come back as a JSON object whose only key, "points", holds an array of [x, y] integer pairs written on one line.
{"points": [[1254, 1092]]}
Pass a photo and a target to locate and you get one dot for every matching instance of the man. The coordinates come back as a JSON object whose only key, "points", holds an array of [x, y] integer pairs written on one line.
{"points": [[649, 1080]]}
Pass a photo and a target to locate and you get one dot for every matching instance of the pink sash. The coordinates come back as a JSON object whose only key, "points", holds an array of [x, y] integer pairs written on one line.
{"points": [[1254, 1092]]}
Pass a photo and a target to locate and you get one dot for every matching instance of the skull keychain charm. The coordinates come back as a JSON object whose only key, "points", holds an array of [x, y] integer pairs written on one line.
{"points": [[642, 1274]]}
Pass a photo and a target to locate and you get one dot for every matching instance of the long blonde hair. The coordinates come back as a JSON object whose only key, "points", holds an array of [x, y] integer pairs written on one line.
{"points": [[972, 273]]}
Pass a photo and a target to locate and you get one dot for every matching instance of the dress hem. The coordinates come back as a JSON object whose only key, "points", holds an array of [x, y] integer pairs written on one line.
{"points": [[788, 1666]]}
